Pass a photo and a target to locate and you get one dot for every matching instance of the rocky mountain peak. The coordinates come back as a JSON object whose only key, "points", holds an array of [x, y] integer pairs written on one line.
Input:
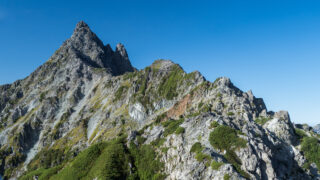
{"points": [[80, 109], [81, 24], [83, 35], [84, 45], [121, 50]]}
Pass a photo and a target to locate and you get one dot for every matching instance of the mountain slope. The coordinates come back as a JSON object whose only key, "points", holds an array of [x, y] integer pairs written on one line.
{"points": [[87, 113]]}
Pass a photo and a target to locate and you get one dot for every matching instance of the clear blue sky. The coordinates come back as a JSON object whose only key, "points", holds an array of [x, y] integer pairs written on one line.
{"points": [[271, 46]]}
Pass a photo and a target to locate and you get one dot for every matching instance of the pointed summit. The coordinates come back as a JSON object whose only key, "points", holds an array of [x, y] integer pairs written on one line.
{"points": [[88, 48], [120, 60], [82, 24], [121, 50], [82, 35]]}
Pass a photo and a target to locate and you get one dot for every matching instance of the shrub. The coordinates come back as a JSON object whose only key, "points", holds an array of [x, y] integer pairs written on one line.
{"points": [[146, 162], [300, 133], [225, 138], [230, 113], [171, 126], [141, 139], [196, 147], [168, 86], [214, 124], [164, 150], [226, 177], [42, 174], [107, 160], [160, 118], [49, 157], [216, 165], [233, 159], [201, 157], [82, 164], [262, 120], [158, 142], [112, 163], [180, 130], [143, 81], [42, 96], [103, 160], [311, 149]]}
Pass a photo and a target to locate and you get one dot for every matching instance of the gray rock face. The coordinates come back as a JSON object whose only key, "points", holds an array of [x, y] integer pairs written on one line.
{"points": [[92, 51], [317, 129], [88, 93], [282, 127]]}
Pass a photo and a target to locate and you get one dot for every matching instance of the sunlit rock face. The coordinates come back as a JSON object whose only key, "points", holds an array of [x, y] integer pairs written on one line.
{"points": [[87, 93], [317, 129]]}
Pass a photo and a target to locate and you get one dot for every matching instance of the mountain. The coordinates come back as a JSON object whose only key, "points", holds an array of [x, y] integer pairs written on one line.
{"points": [[88, 114]]}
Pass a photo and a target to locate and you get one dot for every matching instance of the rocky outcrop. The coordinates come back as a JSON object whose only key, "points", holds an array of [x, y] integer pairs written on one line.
{"points": [[282, 127], [87, 93], [317, 129]]}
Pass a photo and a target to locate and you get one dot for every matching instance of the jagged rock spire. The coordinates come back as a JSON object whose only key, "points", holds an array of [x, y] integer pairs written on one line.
{"points": [[82, 24], [91, 50]]}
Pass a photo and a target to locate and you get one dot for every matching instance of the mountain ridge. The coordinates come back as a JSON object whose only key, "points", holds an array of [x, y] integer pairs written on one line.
{"points": [[87, 103]]}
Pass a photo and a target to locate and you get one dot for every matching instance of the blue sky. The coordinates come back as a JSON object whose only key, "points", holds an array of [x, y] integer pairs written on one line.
{"points": [[271, 47]]}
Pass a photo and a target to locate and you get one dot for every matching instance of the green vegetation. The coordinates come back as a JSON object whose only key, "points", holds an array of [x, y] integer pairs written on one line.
{"points": [[105, 160], [143, 81], [129, 75], [311, 149], [226, 138], [206, 108], [168, 86], [119, 93], [42, 174], [42, 96], [56, 130], [214, 124], [146, 162], [230, 113], [164, 150], [98, 70], [12, 160], [300, 133], [160, 118], [171, 126], [143, 94], [180, 130], [200, 156], [47, 158], [200, 105], [196, 147], [141, 139], [262, 120], [216, 165], [158, 142], [226, 177], [100, 160], [217, 80]]}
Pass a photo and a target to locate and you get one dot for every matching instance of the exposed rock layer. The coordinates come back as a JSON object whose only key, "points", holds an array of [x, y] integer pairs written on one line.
{"points": [[87, 93]]}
